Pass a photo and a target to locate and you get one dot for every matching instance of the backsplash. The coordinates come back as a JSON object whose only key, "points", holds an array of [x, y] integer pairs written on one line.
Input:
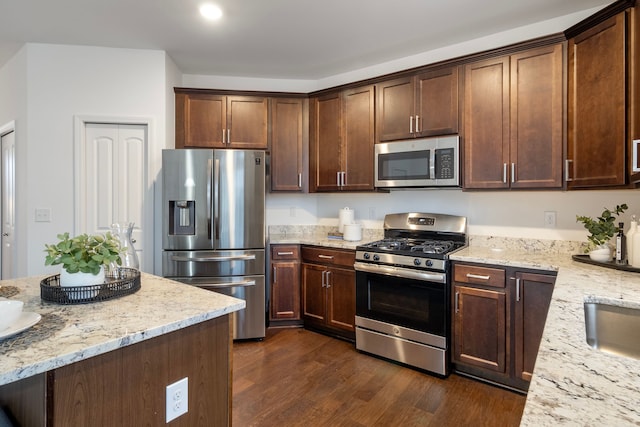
{"points": [[505, 243]]}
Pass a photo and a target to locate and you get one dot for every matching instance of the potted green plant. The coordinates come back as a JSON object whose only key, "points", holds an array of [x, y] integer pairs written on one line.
{"points": [[601, 231], [84, 257]]}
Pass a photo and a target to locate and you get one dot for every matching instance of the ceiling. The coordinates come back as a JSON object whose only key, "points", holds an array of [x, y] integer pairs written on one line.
{"points": [[291, 39]]}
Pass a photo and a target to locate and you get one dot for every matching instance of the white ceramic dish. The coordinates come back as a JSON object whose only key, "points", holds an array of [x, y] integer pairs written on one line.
{"points": [[24, 322], [11, 311]]}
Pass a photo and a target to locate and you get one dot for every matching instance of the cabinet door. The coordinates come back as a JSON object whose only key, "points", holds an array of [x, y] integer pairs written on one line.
{"points": [[326, 140], [480, 328], [536, 118], [486, 123], [285, 290], [596, 104], [314, 295], [200, 120], [395, 109], [437, 102], [532, 298], [287, 144], [341, 299], [247, 122], [359, 138]]}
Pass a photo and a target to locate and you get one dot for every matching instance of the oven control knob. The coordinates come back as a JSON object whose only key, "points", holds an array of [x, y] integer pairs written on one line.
{"points": [[416, 262], [366, 255], [376, 258], [429, 263]]}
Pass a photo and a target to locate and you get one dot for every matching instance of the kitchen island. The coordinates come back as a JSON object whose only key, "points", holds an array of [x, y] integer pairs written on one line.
{"points": [[574, 384], [112, 360]]}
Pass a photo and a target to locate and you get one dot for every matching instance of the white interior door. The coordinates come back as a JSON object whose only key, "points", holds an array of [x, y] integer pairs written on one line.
{"points": [[115, 179], [8, 205]]}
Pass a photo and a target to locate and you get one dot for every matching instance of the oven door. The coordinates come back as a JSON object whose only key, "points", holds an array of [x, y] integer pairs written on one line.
{"points": [[411, 302]]}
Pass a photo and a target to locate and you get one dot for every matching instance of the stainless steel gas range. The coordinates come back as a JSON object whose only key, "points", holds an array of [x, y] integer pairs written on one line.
{"points": [[403, 292]]}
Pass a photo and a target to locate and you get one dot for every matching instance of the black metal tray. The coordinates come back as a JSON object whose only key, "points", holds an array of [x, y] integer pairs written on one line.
{"points": [[609, 264], [127, 283]]}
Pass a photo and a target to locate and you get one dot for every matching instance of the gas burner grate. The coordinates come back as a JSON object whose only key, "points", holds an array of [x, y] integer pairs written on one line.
{"points": [[434, 247]]}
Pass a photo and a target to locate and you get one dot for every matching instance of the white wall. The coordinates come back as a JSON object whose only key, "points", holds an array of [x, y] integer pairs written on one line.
{"points": [[13, 107], [64, 81], [498, 213]]}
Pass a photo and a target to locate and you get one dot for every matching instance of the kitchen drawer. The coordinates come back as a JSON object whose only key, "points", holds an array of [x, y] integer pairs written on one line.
{"points": [[337, 257], [285, 252], [484, 276]]}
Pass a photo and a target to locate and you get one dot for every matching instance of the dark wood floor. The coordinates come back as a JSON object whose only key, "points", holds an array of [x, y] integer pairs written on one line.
{"points": [[296, 377]]}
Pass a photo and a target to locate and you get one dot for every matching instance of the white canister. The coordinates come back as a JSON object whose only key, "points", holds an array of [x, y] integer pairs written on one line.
{"points": [[345, 216], [352, 232]]}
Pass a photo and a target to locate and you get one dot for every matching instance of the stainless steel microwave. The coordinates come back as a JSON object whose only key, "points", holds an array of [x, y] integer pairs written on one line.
{"points": [[428, 162]]}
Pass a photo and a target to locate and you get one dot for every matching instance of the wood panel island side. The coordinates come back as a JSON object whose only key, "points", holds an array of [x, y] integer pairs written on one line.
{"points": [[109, 362]]}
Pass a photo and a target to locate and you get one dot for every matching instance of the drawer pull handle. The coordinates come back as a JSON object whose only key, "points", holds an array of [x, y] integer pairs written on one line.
{"points": [[325, 256], [477, 276], [285, 253]]}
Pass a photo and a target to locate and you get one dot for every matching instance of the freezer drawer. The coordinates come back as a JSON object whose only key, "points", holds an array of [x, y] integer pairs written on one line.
{"points": [[248, 323], [213, 263]]}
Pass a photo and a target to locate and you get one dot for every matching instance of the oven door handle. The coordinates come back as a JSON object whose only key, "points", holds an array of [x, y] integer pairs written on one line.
{"points": [[406, 273], [213, 258]]}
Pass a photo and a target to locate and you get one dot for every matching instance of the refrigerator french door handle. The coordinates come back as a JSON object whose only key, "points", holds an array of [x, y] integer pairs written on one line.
{"points": [[216, 199], [213, 258], [209, 181]]}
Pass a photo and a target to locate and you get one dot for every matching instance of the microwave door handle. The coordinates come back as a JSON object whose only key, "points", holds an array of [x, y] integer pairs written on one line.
{"points": [[432, 163]]}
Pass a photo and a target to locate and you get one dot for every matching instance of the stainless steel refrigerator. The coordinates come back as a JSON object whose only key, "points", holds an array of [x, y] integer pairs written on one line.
{"points": [[214, 227]]}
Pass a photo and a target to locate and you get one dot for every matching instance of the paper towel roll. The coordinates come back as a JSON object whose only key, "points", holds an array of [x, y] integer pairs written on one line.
{"points": [[345, 216], [352, 232]]}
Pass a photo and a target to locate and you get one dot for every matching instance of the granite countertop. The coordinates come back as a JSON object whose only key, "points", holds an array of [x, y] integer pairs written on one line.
{"points": [[70, 333], [574, 384]]}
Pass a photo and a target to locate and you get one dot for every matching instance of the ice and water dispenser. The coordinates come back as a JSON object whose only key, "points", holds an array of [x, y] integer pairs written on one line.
{"points": [[182, 217]]}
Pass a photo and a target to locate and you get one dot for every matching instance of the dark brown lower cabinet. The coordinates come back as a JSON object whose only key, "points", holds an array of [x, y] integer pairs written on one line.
{"points": [[498, 320], [127, 386], [329, 291], [284, 302]]}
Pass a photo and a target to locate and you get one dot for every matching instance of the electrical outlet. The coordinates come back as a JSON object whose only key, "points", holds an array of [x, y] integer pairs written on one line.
{"points": [[372, 213], [177, 399], [292, 211], [550, 219], [43, 215]]}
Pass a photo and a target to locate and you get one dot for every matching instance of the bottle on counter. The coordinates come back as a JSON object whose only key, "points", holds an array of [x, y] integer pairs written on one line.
{"points": [[621, 245], [633, 229], [635, 261]]}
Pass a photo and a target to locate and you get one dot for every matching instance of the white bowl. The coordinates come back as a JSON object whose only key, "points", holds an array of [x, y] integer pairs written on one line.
{"points": [[10, 311]]}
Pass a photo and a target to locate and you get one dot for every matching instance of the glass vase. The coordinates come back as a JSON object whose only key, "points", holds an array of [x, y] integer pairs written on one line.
{"points": [[128, 256]]}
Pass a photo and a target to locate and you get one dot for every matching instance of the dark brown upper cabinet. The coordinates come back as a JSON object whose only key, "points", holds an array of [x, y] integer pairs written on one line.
{"points": [[342, 140], [209, 120], [422, 105], [513, 120], [603, 95], [289, 144]]}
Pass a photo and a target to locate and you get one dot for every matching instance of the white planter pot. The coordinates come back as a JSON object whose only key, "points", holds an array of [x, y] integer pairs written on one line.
{"points": [[602, 253], [81, 279]]}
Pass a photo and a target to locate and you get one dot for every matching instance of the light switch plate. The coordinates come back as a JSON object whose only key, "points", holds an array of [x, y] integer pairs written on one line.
{"points": [[43, 214], [177, 399]]}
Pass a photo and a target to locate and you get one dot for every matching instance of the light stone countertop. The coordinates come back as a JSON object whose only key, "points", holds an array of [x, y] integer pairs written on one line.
{"points": [[574, 384], [70, 333]]}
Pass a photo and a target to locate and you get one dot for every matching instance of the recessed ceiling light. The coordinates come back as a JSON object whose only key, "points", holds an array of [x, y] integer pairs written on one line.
{"points": [[210, 11]]}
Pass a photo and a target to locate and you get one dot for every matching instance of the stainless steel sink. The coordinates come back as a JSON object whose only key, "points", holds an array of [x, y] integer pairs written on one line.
{"points": [[613, 329]]}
